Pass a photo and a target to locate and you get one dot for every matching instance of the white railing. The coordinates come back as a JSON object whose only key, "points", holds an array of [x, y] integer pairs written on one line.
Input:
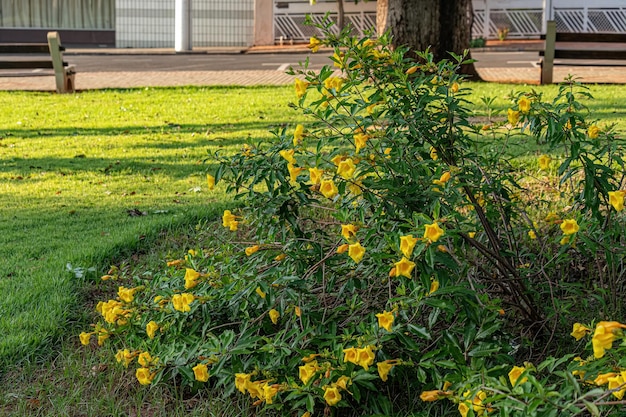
{"points": [[519, 18], [290, 16], [525, 19]]}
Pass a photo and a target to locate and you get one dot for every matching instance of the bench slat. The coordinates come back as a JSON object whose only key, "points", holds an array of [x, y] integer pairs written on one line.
{"points": [[25, 64], [24, 48], [589, 37], [588, 54]]}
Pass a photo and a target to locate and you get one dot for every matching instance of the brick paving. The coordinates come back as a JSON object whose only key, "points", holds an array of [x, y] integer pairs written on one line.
{"points": [[102, 80]]}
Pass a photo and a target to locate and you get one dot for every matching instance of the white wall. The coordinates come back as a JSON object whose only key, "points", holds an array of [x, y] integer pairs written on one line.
{"points": [[150, 23]]}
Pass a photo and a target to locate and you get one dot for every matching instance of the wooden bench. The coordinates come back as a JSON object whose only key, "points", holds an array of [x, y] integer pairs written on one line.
{"points": [[578, 46], [40, 56]]}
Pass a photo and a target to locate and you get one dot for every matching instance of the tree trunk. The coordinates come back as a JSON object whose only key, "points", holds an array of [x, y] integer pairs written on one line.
{"points": [[340, 14], [443, 25]]}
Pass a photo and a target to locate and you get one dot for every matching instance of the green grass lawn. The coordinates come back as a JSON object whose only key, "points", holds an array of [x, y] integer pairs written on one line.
{"points": [[89, 179]]}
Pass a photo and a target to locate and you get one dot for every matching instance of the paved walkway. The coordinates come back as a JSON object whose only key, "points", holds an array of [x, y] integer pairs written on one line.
{"points": [[101, 80]]}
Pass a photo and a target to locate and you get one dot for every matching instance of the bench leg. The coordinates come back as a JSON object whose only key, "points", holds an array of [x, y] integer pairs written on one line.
{"points": [[547, 66]]}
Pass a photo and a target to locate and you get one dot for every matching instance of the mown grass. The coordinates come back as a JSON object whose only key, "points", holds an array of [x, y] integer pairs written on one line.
{"points": [[93, 178], [88, 177]]}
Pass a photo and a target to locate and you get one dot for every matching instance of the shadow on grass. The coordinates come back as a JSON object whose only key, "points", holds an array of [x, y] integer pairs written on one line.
{"points": [[169, 128], [174, 168]]}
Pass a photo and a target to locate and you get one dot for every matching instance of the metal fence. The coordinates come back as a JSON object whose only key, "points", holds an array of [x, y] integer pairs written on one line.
{"points": [[525, 19], [518, 18], [290, 16], [150, 23]]}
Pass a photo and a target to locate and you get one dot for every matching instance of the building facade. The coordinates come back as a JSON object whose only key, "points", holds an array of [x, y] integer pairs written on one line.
{"points": [[244, 23]]}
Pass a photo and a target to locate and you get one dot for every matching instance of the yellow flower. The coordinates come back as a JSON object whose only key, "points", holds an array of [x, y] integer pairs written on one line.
{"points": [[255, 389], [274, 315], [181, 302], [127, 295], [338, 60], [618, 381], [532, 235], [269, 392], [515, 373], [513, 117], [544, 162], [201, 372], [314, 44], [144, 376], [293, 173], [145, 359], [307, 371], [477, 403], [343, 248], [287, 155], [228, 218], [247, 150], [385, 320], [434, 395], [316, 175], [524, 104], [350, 355], [151, 329], [328, 188], [298, 134], [301, 87], [433, 154], [346, 168], [337, 159], [365, 357], [210, 179], [411, 70], [564, 240], [280, 257], [348, 231], [355, 188], [260, 292], [579, 331], [603, 379], [593, 132], [569, 227], [454, 87], [85, 338], [445, 177], [356, 252], [360, 141], [333, 82], [434, 286], [463, 409], [616, 199], [332, 396], [343, 382], [433, 232], [297, 311], [407, 244], [125, 357], [191, 278], [383, 369], [241, 380], [103, 334], [252, 249], [604, 336], [404, 267]]}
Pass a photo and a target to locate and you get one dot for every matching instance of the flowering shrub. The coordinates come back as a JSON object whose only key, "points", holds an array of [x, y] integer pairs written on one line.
{"points": [[384, 249]]}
